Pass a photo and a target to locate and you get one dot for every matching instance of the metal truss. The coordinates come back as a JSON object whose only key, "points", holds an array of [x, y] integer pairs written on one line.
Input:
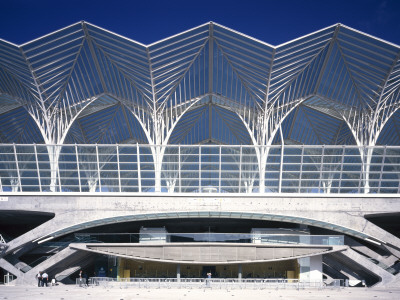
{"points": [[208, 85]]}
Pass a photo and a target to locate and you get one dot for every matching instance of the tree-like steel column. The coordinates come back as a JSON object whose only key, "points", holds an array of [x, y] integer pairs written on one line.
{"points": [[275, 96], [169, 102], [367, 121]]}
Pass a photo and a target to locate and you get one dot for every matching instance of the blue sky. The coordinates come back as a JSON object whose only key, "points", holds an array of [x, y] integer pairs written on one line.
{"points": [[147, 21]]}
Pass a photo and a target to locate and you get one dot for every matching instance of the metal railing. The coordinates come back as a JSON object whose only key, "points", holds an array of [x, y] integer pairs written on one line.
{"points": [[8, 278], [199, 168], [213, 283], [254, 238]]}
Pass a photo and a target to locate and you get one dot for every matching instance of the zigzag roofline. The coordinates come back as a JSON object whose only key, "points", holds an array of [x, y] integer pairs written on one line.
{"points": [[208, 23]]}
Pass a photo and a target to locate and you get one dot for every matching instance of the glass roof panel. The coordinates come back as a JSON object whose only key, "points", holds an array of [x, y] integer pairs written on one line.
{"points": [[199, 77], [17, 126]]}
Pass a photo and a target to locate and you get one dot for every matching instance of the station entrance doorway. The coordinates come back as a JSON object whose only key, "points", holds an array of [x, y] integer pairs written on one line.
{"points": [[275, 269], [209, 269]]}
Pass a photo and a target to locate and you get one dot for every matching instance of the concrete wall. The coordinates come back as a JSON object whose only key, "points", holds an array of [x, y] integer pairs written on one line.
{"points": [[74, 212]]}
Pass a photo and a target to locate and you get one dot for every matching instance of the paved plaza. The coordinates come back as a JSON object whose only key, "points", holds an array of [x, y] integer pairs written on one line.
{"points": [[71, 292]]}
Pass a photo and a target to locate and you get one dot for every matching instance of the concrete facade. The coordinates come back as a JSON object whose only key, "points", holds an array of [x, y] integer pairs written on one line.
{"points": [[74, 213]]}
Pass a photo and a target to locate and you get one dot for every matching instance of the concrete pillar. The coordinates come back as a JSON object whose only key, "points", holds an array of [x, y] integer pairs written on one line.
{"points": [[311, 268], [178, 272], [304, 264], [316, 268], [240, 272]]}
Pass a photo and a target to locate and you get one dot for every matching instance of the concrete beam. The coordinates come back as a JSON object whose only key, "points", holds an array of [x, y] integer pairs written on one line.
{"points": [[208, 253], [10, 268], [337, 265], [47, 265], [317, 211], [386, 277]]}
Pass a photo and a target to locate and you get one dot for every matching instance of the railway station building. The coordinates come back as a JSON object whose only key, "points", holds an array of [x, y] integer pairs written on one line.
{"points": [[207, 151]]}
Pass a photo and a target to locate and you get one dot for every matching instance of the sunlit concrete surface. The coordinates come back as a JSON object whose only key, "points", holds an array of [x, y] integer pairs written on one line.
{"points": [[73, 292]]}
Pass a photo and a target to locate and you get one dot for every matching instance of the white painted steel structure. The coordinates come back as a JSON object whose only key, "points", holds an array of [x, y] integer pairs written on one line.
{"points": [[206, 126], [204, 168], [208, 85]]}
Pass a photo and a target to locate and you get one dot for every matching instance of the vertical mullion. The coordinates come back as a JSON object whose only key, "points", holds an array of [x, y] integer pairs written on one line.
{"points": [[179, 169], [321, 167], [58, 169], [200, 169], [280, 169], [77, 165], [138, 168], [98, 167], [341, 169], [119, 171], [240, 168], [382, 167], [301, 168], [37, 168], [361, 182], [220, 163], [17, 166]]}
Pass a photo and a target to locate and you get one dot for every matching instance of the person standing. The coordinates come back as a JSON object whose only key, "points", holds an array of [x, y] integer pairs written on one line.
{"points": [[39, 278], [45, 278], [94, 281], [208, 279], [80, 277], [85, 279]]}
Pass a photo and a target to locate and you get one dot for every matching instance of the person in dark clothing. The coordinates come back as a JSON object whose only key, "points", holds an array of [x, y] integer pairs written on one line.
{"points": [[94, 281], [39, 278], [85, 279]]}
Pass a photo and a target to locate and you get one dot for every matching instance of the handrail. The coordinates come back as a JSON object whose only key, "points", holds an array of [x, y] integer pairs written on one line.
{"points": [[221, 283], [254, 238]]}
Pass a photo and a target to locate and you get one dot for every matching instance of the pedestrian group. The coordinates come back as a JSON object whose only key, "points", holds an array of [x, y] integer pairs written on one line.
{"points": [[43, 279]]}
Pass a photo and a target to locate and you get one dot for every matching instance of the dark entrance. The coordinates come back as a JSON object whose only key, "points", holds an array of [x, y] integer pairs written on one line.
{"points": [[211, 269]]}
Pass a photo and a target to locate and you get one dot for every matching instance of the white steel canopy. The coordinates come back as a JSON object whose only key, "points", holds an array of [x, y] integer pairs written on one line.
{"points": [[208, 85]]}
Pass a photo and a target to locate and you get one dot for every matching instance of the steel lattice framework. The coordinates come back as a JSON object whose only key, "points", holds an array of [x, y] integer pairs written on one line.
{"points": [[208, 85]]}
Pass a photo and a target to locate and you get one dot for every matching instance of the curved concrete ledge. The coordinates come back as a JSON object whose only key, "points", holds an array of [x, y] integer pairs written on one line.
{"points": [[208, 253], [181, 214]]}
